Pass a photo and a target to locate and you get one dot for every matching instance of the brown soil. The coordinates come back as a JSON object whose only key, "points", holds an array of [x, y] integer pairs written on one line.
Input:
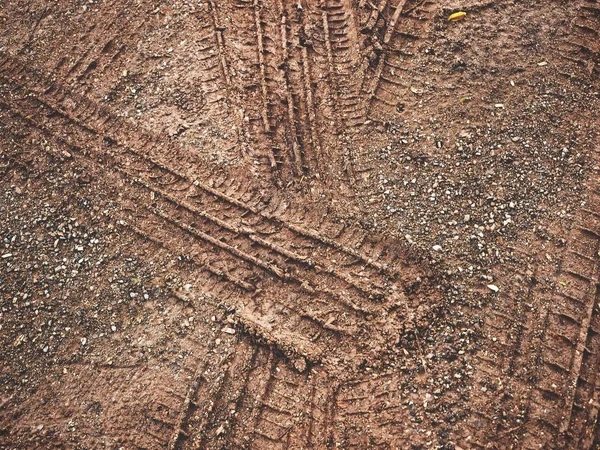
{"points": [[299, 224]]}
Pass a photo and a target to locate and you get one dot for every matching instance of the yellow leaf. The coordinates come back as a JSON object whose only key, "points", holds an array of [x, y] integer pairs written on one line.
{"points": [[460, 15]]}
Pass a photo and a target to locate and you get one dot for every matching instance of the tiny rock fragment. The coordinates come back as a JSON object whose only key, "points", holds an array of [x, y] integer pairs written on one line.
{"points": [[19, 340], [543, 63], [6, 255], [83, 341], [220, 430], [455, 17], [300, 364], [437, 248], [228, 330], [493, 287], [499, 105]]}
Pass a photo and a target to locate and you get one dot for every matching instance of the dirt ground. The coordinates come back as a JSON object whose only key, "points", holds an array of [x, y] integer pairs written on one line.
{"points": [[298, 224]]}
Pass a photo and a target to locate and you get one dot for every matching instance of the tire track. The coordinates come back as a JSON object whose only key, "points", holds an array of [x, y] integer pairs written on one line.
{"points": [[234, 392], [580, 413], [318, 62], [202, 398], [299, 88], [511, 339], [294, 125], [398, 40], [158, 419], [310, 324], [559, 336], [100, 123], [195, 415], [211, 59], [558, 403], [227, 244], [372, 407], [97, 52], [341, 38], [582, 44], [251, 235], [275, 417]]}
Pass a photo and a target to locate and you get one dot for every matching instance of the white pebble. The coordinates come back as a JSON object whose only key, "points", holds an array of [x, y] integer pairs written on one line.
{"points": [[493, 287]]}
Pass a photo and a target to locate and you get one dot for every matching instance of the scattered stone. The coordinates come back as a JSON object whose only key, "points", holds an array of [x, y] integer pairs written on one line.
{"points": [[300, 364]]}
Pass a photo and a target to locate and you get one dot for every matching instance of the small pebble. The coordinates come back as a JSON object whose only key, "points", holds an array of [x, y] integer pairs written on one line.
{"points": [[493, 287]]}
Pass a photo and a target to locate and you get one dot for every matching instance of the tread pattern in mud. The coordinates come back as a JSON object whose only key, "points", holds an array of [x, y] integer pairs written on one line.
{"points": [[548, 349], [289, 77], [326, 286], [581, 45], [245, 248]]}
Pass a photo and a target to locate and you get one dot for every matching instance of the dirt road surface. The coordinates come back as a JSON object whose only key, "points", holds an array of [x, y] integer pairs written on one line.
{"points": [[273, 224]]}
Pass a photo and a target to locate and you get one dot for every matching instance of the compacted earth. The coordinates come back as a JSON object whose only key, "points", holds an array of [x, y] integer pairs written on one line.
{"points": [[299, 224]]}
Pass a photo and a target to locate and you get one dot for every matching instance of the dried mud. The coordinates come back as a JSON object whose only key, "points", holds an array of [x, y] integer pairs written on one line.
{"points": [[302, 224]]}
